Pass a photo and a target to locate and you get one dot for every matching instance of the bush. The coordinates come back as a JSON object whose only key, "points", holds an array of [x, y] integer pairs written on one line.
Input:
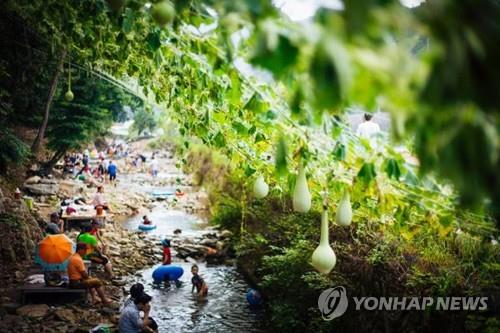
{"points": [[12, 150]]}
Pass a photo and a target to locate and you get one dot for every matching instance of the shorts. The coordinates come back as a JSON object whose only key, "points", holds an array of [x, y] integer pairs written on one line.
{"points": [[112, 176], [98, 258], [85, 284]]}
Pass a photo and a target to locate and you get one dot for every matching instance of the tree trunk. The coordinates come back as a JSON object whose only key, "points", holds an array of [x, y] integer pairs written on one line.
{"points": [[53, 85], [57, 156]]}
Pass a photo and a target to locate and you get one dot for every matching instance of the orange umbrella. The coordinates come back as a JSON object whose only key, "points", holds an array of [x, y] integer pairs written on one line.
{"points": [[53, 252]]}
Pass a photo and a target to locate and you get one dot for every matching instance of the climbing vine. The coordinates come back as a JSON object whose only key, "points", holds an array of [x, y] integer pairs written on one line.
{"points": [[371, 54]]}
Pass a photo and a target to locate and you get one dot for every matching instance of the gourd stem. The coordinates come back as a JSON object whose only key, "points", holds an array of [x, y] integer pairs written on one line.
{"points": [[69, 75], [324, 229]]}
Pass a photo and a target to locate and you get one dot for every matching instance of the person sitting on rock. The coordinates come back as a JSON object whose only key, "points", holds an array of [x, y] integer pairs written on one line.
{"points": [[130, 318], [96, 232], [55, 225], [198, 282], [167, 255], [79, 278], [100, 199], [146, 220], [93, 253]]}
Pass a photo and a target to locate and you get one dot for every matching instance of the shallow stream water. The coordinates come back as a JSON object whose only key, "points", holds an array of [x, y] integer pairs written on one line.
{"points": [[225, 309]]}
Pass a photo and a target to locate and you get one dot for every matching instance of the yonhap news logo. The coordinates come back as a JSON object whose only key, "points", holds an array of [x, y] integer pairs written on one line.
{"points": [[333, 303]]}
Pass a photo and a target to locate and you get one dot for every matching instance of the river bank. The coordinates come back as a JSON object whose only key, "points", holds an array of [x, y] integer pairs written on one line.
{"points": [[133, 254]]}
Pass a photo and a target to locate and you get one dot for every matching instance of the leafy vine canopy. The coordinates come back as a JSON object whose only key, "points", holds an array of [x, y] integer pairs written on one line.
{"points": [[433, 68]]}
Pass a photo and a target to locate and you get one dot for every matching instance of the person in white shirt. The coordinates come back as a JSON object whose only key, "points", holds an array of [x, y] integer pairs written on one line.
{"points": [[368, 129], [154, 167], [99, 198]]}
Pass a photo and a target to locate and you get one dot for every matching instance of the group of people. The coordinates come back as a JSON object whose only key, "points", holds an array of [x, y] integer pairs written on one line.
{"points": [[140, 161], [79, 166], [90, 246]]}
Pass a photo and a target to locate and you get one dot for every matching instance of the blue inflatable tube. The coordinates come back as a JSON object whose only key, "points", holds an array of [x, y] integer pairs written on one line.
{"points": [[147, 226], [162, 193], [167, 273]]}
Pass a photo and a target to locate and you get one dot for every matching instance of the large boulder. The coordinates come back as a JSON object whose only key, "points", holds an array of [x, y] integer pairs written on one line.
{"points": [[33, 180], [33, 310], [41, 189], [191, 250], [210, 242], [48, 181], [66, 315], [68, 188], [225, 234]]}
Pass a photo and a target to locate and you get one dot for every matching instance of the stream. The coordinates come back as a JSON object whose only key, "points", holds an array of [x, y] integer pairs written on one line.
{"points": [[176, 309]]}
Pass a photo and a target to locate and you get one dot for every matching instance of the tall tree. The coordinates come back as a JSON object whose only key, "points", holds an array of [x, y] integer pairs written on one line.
{"points": [[53, 85], [86, 118]]}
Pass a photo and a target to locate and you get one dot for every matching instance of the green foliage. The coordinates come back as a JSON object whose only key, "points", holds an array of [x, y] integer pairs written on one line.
{"points": [[144, 119], [74, 124], [365, 55], [12, 150], [367, 173], [227, 213], [281, 158]]}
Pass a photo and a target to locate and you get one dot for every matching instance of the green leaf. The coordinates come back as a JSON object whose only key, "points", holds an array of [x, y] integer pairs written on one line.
{"points": [[392, 168], [206, 118], [367, 173], [235, 90], [281, 158], [256, 104], [249, 171], [252, 130], [219, 140], [296, 107], [411, 178], [259, 137], [339, 152], [329, 71], [239, 127], [276, 58], [153, 40], [271, 115], [128, 21]]}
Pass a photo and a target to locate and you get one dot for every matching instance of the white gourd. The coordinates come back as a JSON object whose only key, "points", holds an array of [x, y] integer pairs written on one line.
{"points": [[323, 258], [301, 195], [260, 188], [344, 210]]}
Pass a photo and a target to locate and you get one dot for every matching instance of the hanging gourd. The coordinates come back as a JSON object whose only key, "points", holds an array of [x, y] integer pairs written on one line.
{"points": [[301, 195], [260, 188], [344, 210], [69, 96], [323, 258], [163, 12]]}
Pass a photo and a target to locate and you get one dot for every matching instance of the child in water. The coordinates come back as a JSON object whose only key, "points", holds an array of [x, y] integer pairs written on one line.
{"points": [[167, 256], [146, 220], [198, 282]]}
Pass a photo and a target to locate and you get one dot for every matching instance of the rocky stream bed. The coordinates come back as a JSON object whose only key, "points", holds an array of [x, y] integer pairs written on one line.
{"points": [[133, 254]]}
